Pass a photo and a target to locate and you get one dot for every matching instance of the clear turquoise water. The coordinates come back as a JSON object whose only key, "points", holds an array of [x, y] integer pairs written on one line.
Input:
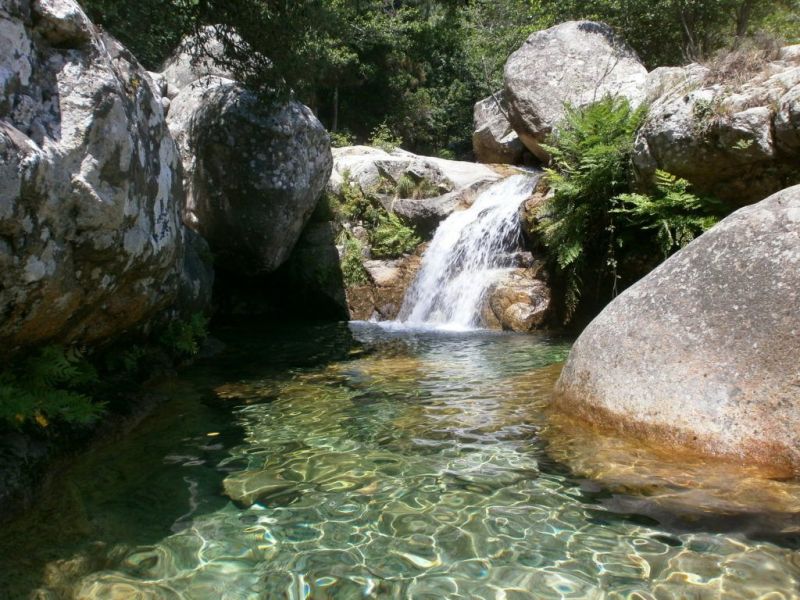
{"points": [[351, 462]]}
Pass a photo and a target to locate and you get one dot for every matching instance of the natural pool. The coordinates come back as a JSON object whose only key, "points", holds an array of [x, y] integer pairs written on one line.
{"points": [[354, 462]]}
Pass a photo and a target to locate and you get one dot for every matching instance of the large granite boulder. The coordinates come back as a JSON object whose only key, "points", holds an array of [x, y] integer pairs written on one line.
{"points": [[494, 140], [91, 240], [253, 171], [739, 142], [703, 352], [577, 62], [193, 59]]}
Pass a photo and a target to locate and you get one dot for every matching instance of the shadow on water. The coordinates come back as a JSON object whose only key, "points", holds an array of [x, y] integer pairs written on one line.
{"points": [[136, 490]]}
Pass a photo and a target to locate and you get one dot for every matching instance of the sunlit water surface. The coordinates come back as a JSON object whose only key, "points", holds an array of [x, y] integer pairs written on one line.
{"points": [[356, 462]]}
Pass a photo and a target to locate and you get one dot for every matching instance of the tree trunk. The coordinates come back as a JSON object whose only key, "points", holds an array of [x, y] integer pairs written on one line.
{"points": [[335, 117]]}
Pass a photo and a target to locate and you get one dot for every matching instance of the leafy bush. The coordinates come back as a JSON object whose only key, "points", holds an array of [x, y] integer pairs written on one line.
{"points": [[597, 232], [354, 204], [591, 151], [340, 139], [352, 265], [392, 238], [676, 215], [46, 386], [182, 339], [382, 137]]}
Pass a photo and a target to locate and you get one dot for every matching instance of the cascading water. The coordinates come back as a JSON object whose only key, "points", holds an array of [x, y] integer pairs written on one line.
{"points": [[468, 252]]}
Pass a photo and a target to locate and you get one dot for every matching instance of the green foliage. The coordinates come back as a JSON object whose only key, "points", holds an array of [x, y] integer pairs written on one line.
{"points": [[340, 139], [590, 152], [593, 224], [47, 386], [182, 339], [356, 206], [418, 189], [392, 238], [151, 29], [352, 263], [676, 215], [383, 138]]}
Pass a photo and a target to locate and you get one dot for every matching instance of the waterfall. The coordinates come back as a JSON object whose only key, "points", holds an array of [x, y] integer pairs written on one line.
{"points": [[468, 252]]}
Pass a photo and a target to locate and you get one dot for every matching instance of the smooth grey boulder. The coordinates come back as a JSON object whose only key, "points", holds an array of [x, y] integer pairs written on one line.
{"points": [[91, 240], [253, 172], [704, 352], [494, 140], [577, 62], [736, 141]]}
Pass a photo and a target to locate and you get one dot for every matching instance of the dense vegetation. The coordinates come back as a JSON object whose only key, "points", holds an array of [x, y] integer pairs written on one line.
{"points": [[416, 67], [600, 235], [58, 384]]}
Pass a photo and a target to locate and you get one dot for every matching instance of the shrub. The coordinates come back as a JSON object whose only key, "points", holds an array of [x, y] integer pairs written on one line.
{"points": [[408, 187], [676, 215], [47, 386], [392, 238], [340, 139], [596, 231], [591, 151], [182, 339], [382, 137], [352, 265]]}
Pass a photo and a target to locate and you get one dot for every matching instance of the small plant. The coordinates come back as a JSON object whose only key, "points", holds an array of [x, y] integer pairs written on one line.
{"points": [[383, 138], [340, 139], [591, 154], [408, 187], [392, 238], [677, 215], [182, 339], [49, 386], [352, 264]]}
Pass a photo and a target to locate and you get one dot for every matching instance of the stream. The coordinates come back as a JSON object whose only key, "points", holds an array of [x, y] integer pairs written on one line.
{"points": [[356, 461]]}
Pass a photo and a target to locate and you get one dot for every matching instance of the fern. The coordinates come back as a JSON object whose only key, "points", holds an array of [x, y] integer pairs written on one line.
{"points": [[352, 265], [47, 386], [182, 339], [590, 152], [676, 215], [392, 238]]}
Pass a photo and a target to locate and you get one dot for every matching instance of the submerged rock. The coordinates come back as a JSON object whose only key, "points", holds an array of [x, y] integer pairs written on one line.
{"points": [[703, 352], [91, 240], [254, 172], [577, 62], [737, 141], [494, 140]]}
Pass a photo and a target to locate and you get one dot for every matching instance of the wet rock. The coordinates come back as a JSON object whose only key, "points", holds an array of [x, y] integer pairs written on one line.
{"points": [[91, 240], [714, 367], [519, 301], [737, 141], [577, 62], [494, 140], [383, 295], [248, 487], [253, 172]]}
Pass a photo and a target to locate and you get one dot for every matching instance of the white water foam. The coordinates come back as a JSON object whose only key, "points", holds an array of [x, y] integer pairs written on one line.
{"points": [[469, 251]]}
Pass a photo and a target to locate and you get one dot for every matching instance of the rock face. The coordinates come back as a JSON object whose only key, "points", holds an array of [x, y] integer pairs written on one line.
{"points": [[736, 141], [382, 297], [375, 171], [91, 241], [703, 352], [494, 140], [188, 64], [577, 62], [253, 173], [520, 302]]}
